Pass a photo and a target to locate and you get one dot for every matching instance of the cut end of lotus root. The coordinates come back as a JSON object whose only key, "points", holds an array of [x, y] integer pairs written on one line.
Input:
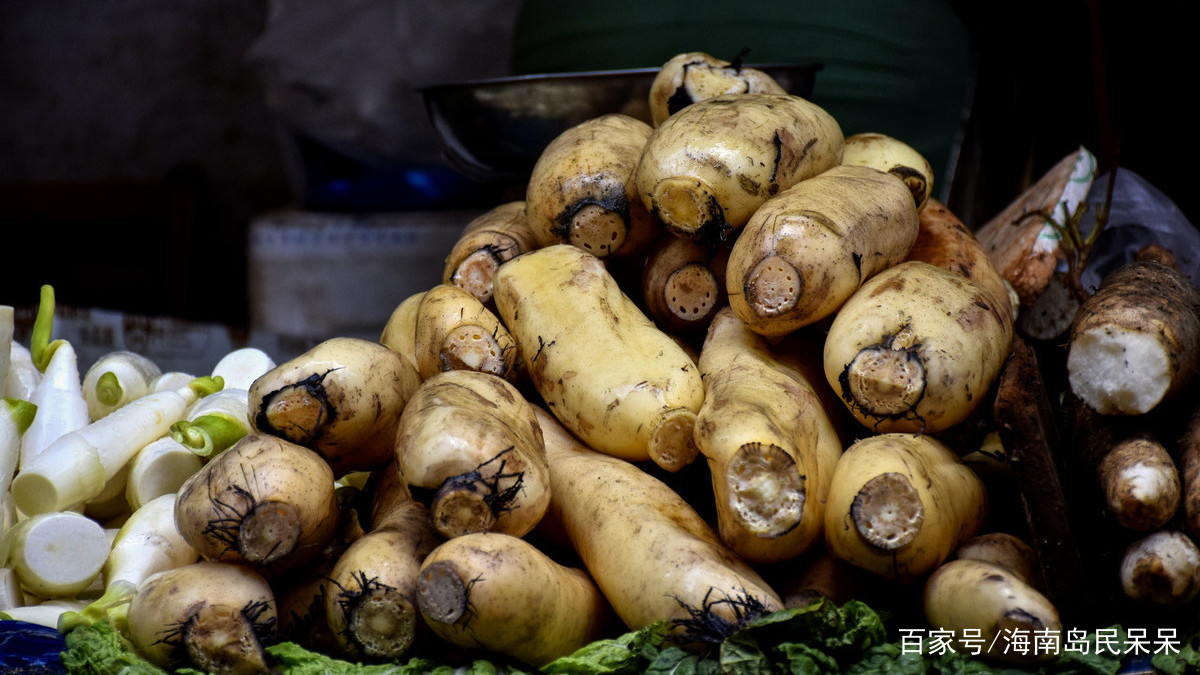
{"points": [[884, 381], [470, 347], [220, 639], [672, 445], [766, 492], [441, 593], [773, 287], [1117, 370], [685, 205], [383, 624], [296, 412], [597, 230], [475, 274], [460, 508], [691, 292], [269, 532], [887, 511]]}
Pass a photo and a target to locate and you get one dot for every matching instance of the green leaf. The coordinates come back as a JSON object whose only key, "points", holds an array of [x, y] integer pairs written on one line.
{"points": [[675, 661], [289, 658], [889, 658], [628, 653], [482, 667], [740, 654], [97, 649], [805, 659], [1186, 661], [843, 634], [958, 663]]}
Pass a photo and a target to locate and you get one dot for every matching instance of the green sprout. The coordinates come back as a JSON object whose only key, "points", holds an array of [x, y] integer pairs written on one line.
{"points": [[40, 346], [21, 411], [208, 435], [109, 390], [208, 384]]}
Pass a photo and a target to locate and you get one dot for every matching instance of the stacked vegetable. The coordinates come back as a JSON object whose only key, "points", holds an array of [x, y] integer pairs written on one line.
{"points": [[708, 368]]}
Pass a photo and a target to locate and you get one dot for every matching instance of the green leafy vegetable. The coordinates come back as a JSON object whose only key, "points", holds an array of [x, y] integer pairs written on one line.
{"points": [[625, 654], [296, 660], [1186, 660], [289, 658], [97, 649], [819, 639]]}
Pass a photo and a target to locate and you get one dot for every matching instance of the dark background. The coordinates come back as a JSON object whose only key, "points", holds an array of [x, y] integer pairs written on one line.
{"points": [[1053, 76], [136, 142]]}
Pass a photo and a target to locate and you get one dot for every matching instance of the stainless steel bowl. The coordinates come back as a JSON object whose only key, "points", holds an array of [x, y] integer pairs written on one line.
{"points": [[495, 129]]}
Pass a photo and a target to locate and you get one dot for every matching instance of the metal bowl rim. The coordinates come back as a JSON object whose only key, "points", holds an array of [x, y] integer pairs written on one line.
{"points": [[586, 75]]}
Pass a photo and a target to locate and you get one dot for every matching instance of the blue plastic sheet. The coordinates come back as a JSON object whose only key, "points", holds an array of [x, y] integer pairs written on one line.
{"points": [[1140, 215], [30, 649]]}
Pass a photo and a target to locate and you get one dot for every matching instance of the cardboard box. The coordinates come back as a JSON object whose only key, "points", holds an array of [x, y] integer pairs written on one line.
{"points": [[331, 274], [192, 347]]}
